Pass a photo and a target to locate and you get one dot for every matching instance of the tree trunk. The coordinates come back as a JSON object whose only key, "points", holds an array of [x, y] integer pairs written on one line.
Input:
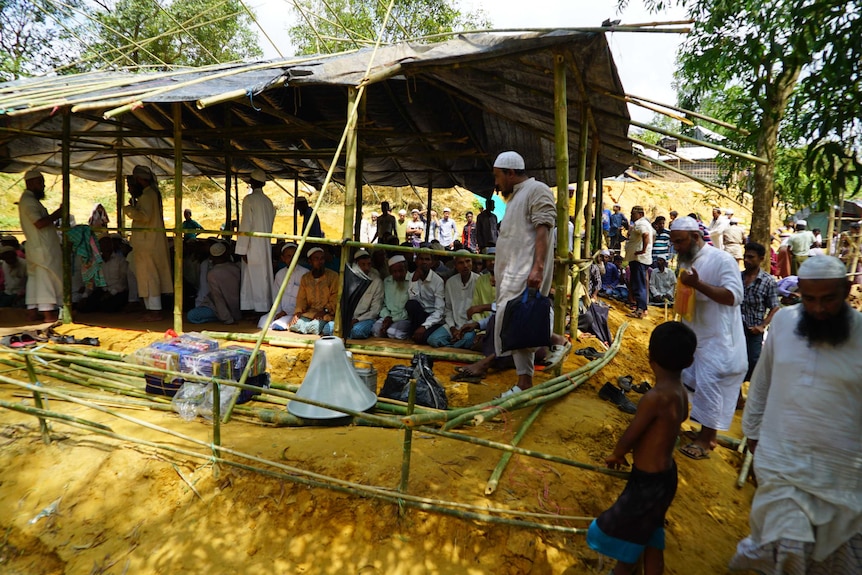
{"points": [[778, 95]]}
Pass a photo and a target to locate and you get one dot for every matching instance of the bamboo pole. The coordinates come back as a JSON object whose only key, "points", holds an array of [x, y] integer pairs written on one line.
{"points": [[37, 399], [350, 182], [408, 439], [697, 115], [66, 153], [491, 486], [177, 109], [706, 144], [660, 149], [43, 414], [588, 216], [561, 145]]}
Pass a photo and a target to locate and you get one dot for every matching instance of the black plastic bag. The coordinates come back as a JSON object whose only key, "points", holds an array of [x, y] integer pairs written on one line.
{"points": [[526, 321], [429, 392]]}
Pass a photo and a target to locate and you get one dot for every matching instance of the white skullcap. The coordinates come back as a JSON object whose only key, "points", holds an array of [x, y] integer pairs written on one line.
{"points": [[396, 260], [257, 175], [605, 252], [413, 211], [822, 268], [361, 254], [402, 212], [217, 249], [32, 175], [510, 161], [313, 251], [288, 245], [728, 212], [685, 224], [446, 210], [801, 222], [734, 221], [374, 214], [143, 172]]}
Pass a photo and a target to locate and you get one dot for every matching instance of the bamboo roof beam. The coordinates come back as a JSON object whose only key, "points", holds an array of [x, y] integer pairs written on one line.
{"points": [[722, 149], [660, 149]]}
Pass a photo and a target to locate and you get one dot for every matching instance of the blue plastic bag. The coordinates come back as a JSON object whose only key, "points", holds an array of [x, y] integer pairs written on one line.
{"points": [[527, 321]]}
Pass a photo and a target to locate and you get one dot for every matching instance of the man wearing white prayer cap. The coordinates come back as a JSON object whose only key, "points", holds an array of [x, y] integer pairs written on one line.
{"points": [[447, 230], [151, 258], [720, 361], [803, 427], [44, 291], [257, 215], [394, 321], [717, 226], [221, 303], [525, 255]]}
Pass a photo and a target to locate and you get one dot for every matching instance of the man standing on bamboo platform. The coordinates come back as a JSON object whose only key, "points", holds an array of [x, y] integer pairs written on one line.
{"points": [[720, 362], [44, 291], [803, 427], [258, 215], [525, 256], [150, 247], [317, 299]]}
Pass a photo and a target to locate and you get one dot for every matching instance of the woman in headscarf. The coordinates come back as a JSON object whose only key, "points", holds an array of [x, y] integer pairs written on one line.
{"points": [[99, 218]]}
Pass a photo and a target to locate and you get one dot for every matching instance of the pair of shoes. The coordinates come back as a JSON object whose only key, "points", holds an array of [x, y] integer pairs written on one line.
{"points": [[625, 382], [466, 377], [615, 395], [509, 392], [694, 451], [556, 355], [589, 353], [18, 341], [642, 387]]}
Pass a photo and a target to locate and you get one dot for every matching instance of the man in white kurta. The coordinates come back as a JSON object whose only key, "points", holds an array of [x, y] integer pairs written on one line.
{"points": [[721, 360], [287, 304], [44, 254], [258, 215], [717, 226], [369, 305], [525, 256], [803, 422], [459, 297], [152, 257]]}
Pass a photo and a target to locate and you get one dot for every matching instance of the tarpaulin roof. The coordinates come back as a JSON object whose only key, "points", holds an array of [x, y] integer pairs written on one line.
{"points": [[434, 114]]}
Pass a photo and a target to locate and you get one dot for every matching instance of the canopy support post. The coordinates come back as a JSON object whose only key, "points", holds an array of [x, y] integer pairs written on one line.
{"points": [[561, 144], [67, 189], [227, 171], [599, 235], [178, 216], [350, 181], [588, 208], [428, 208], [120, 184]]}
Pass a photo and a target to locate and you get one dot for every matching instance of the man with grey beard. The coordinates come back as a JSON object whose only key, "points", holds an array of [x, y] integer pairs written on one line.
{"points": [[720, 361], [803, 424]]}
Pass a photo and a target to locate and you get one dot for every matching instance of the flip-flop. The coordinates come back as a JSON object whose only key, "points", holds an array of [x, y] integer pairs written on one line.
{"points": [[694, 451], [642, 387], [625, 382], [509, 392], [466, 378]]}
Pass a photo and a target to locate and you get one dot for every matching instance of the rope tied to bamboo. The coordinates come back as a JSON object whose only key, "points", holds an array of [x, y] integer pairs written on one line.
{"points": [[250, 93]]}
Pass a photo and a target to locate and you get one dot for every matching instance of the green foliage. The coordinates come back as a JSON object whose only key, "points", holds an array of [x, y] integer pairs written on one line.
{"points": [[329, 26], [34, 37], [658, 121], [177, 33]]}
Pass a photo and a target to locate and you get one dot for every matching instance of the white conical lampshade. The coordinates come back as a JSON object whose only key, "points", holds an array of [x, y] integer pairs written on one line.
{"points": [[331, 379]]}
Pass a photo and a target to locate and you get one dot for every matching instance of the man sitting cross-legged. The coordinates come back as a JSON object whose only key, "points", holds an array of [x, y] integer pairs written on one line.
{"points": [[459, 295], [317, 299]]}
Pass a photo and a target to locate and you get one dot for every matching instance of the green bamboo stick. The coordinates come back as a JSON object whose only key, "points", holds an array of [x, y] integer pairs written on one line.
{"points": [[43, 414], [37, 398], [408, 439], [491, 486]]}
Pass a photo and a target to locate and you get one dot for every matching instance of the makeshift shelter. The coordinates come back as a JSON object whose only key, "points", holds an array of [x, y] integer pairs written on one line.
{"points": [[431, 115]]}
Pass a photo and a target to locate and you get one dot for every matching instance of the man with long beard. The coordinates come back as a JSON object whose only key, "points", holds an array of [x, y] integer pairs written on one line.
{"points": [[720, 361], [803, 424], [44, 254]]}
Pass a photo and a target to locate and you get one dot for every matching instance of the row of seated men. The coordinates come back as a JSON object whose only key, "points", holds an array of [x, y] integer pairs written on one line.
{"points": [[439, 302]]}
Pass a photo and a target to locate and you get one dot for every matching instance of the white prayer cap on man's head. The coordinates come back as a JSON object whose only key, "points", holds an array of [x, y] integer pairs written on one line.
{"points": [[374, 214], [218, 249], [402, 212], [361, 254], [734, 221], [446, 210], [510, 161], [685, 224], [257, 175], [728, 212], [414, 211], [396, 260], [143, 172], [801, 222], [288, 245], [822, 268], [32, 175], [313, 251], [605, 252]]}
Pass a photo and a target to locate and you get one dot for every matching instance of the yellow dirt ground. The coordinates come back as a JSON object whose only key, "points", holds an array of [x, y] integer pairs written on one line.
{"points": [[126, 508]]}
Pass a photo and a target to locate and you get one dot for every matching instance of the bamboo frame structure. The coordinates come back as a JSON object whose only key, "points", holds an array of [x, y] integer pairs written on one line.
{"points": [[561, 145]]}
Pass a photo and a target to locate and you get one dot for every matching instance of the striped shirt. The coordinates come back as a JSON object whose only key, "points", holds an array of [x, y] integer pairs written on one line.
{"points": [[758, 297], [661, 245]]}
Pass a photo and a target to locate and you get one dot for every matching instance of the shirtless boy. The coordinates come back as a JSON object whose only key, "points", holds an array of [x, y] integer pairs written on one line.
{"points": [[633, 528]]}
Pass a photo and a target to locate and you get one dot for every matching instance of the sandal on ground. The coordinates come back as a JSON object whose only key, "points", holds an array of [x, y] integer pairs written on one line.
{"points": [[589, 353], [18, 340], [556, 355], [638, 314], [509, 392], [624, 382], [694, 451], [642, 387]]}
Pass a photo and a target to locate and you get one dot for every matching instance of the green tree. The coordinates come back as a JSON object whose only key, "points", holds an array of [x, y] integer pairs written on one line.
{"points": [[328, 26], [34, 37], [178, 33], [768, 62]]}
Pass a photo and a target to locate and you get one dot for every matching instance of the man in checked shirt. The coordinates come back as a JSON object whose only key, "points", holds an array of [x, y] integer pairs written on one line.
{"points": [[759, 304]]}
